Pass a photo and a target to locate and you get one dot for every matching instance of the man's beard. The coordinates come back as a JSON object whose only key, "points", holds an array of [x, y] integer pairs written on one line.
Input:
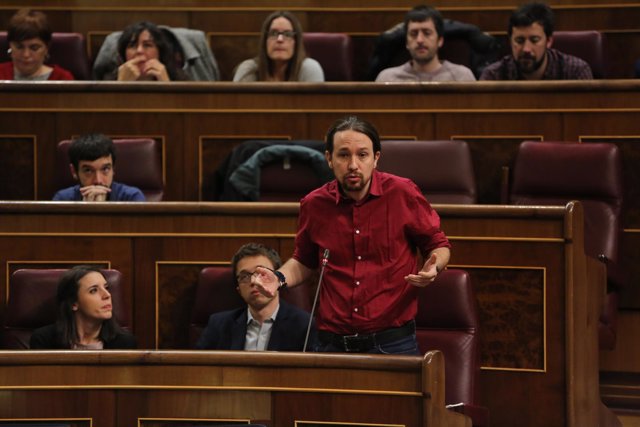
{"points": [[349, 187], [527, 65], [424, 60]]}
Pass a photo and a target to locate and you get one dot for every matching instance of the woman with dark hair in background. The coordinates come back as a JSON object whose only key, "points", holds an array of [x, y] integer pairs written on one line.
{"points": [[29, 36], [146, 55], [85, 315], [281, 56]]}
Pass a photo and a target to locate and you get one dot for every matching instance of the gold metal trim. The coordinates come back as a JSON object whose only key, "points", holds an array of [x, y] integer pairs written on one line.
{"points": [[583, 138], [238, 421], [346, 9], [544, 312], [176, 235], [508, 239], [262, 235], [144, 110], [299, 423], [221, 388], [90, 420]]}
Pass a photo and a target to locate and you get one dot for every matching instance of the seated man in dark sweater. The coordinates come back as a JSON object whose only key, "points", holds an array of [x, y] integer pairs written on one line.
{"points": [[92, 162]]}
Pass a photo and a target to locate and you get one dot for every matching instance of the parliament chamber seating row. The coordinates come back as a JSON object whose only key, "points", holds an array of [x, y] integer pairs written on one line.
{"points": [[535, 290], [334, 52], [600, 164], [447, 319], [443, 170], [233, 29]]}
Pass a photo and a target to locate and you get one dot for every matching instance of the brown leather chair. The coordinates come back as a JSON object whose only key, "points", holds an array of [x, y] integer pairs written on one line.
{"points": [[586, 45], [441, 169], [554, 173], [223, 190], [138, 163], [448, 321], [333, 51], [288, 180], [216, 291], [280, 173], [67, 50], [32, 303]]}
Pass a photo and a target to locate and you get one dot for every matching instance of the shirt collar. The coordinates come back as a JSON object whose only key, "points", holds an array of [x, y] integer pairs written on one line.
{"points": [[272, 318]]}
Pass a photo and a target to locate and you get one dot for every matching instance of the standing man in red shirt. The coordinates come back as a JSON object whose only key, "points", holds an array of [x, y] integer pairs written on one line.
{"points": [[375, 226]]}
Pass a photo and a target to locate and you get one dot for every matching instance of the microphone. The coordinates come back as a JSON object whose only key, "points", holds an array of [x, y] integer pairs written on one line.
{"points": [[325, 259]]}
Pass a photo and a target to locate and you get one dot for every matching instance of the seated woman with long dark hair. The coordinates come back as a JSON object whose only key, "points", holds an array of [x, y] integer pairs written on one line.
{"points": [[85, 315], [146, 54], [281, 56]]}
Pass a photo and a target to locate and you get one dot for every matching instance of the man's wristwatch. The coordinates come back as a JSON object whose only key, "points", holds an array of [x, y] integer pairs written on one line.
{"points": [[281, 279]]}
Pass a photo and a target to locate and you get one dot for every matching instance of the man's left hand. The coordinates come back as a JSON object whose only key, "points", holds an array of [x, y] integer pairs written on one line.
{"points": [[425, 276]]}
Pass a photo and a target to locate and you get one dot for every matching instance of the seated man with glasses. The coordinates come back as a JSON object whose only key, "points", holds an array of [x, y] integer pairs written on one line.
{"points": [[281, 55], [266, 323]]}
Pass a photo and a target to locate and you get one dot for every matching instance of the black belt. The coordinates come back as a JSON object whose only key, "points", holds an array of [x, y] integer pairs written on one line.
{"points": [[358, 343]]}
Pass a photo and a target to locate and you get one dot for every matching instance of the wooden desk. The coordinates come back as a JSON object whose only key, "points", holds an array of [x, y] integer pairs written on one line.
{"points": [[149, 389], [539, 296], [200, 123]]}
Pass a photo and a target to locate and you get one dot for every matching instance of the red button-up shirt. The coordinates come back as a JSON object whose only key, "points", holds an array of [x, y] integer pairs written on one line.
{"points": [[373, 245]]}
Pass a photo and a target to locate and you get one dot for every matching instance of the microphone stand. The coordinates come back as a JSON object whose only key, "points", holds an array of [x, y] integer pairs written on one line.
{"points": [[325, 258]]}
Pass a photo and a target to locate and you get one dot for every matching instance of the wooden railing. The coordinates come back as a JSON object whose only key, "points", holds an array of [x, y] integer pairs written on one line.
{"points": [[199, 124], [163, 388], [539, 295]]}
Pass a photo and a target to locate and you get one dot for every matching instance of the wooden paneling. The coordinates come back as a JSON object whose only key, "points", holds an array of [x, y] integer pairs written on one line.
{"points": [[118, 388], [201, 123], [512, 303], [18, 165], [525, 262]]}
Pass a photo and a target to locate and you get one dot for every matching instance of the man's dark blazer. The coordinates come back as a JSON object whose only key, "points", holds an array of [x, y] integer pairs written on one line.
{"points": [[227, 330]]}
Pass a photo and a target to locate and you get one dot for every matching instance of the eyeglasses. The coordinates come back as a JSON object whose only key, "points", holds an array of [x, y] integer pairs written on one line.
{"points": [[274, 34], [245, 277]]}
